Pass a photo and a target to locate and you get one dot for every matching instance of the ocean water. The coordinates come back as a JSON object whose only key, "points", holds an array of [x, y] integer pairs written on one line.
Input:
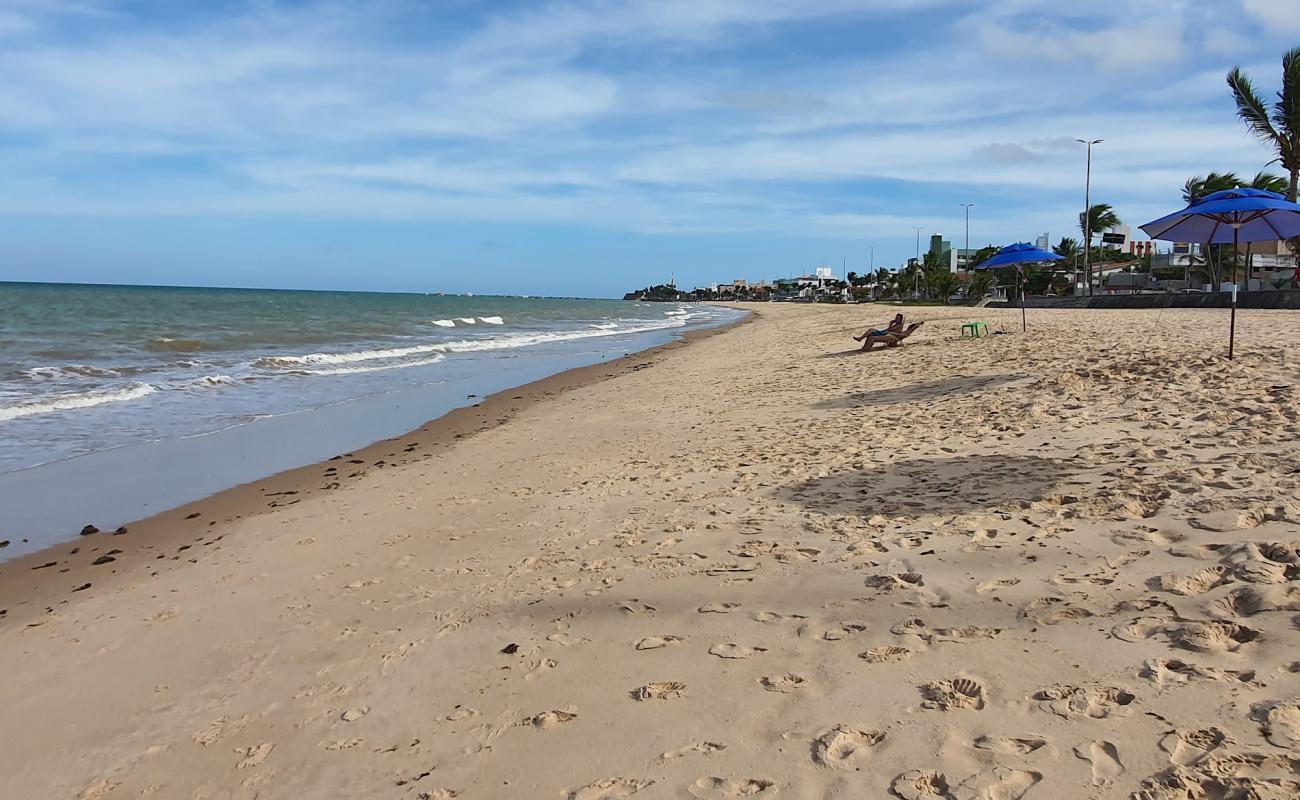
{"points": [[87, 368], [88, 371]]}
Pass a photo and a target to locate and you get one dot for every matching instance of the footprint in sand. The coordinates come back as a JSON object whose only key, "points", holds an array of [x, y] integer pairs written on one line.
{"points": [[718, 608], [1000, 783], [253, 756], [895, 582], [1104, 757], [635, 606], [705, 748], [657, 642], [1011, 745], [730, 650], [1074, 702], [996, 584], [885, 654], [540, 668], [843, 747], [730, 787], [665, 690], [1281, 721], [1174, 672], [1199, 582], [921, 785], [784, 683], [609, 788], [917, 627], [773, 616], [550, 719], [1052, 610], [1211, 636], [958, 693], [1188, 748]]}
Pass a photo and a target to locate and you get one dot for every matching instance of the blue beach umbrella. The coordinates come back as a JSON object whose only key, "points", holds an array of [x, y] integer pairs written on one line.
{"points": [[1018, 255], [1231, 216]]}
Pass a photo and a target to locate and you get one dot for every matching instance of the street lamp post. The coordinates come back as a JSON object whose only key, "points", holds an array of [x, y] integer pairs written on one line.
{"points": [[1087, 215], [966, 264], [916, 283]]}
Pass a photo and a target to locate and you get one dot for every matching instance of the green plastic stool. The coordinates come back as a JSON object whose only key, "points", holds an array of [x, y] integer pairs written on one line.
{"points": [[974, 328]]}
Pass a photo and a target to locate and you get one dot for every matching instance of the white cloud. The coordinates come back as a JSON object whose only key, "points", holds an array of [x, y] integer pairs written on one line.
{"points": [[581, 112], [1283, 16]]}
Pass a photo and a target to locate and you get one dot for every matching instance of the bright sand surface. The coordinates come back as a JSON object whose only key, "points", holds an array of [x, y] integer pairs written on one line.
{"points": [[1056, 565]]}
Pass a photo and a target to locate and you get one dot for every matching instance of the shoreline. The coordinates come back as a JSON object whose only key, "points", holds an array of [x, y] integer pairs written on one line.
{"points": [[28, 584], [1054, 564]]}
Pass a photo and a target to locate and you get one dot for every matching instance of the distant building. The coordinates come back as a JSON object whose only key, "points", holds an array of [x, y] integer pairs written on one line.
{"points": [[941, 251], [1043, 242]]}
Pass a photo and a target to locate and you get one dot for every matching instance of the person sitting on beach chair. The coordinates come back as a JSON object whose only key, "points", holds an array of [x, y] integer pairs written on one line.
{"points": [[888, 338], [896, 326]]}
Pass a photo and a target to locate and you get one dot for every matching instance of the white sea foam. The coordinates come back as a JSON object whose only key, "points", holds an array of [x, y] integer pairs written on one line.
{"points": [[492, 320], [347, 358], [214, 380], [68, 402], [70, 371], [401, 355], [375, 368], [466, 320], [529, 339], [443, 323], [605, 326]]}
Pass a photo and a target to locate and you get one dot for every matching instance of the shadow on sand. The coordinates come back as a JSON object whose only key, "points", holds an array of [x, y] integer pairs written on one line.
{"points": [[914, 392], [932, 486]]}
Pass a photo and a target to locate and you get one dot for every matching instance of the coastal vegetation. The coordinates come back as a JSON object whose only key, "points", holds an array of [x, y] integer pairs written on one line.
{"points": [[1277, 126], [931, 278]]}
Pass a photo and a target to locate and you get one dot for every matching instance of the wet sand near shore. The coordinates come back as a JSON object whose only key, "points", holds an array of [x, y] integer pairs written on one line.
{"points": [[1062, 564], [33, 585]]}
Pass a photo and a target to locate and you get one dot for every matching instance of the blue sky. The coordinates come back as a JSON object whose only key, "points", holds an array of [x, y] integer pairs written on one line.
{"points": [[589, 147]]}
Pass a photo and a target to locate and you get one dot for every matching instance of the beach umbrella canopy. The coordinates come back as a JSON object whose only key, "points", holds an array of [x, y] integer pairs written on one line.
{"points": [[1228, 217], [1231, 216], [1018, 254]]}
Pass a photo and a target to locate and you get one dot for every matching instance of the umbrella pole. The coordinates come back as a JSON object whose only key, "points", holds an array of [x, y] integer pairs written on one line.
{"points": [[1232, 324], [1024, 326]]}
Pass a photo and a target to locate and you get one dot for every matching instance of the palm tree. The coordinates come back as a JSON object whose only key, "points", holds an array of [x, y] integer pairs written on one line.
{"points": [[1067, 247], [1101, 217], [937, 277], [1268, 182], [1197, 187], [1277, 127], [980, 283], [943, 284]]}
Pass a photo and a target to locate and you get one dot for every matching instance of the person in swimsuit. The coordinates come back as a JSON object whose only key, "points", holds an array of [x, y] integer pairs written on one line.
{"points": [[894, 327]]}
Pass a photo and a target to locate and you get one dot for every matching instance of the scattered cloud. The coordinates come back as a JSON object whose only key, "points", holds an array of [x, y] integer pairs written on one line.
{"points": [[670, 117], [1279, 15]]}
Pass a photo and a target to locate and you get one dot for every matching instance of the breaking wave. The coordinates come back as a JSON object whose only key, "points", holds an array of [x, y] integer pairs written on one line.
{"points": [[403, 355], [70, 401]]}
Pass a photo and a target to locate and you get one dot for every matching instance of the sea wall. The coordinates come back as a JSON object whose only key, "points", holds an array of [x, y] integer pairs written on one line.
{"points": [[1289, 299]]}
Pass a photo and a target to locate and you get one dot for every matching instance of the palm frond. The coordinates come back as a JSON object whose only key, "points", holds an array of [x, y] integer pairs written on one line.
{"points": [[1250, 108], [1269, 183], [1286, 111]]}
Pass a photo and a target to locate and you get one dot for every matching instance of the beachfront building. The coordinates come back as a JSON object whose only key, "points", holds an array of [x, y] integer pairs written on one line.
{"points": [[957, 259]]}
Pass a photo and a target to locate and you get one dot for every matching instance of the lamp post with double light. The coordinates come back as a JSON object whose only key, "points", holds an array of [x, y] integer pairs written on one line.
{"points": [[1087, 214]]}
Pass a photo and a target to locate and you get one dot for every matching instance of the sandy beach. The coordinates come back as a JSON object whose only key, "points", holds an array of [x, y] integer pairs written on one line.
{"points": [[1062, 564]]}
